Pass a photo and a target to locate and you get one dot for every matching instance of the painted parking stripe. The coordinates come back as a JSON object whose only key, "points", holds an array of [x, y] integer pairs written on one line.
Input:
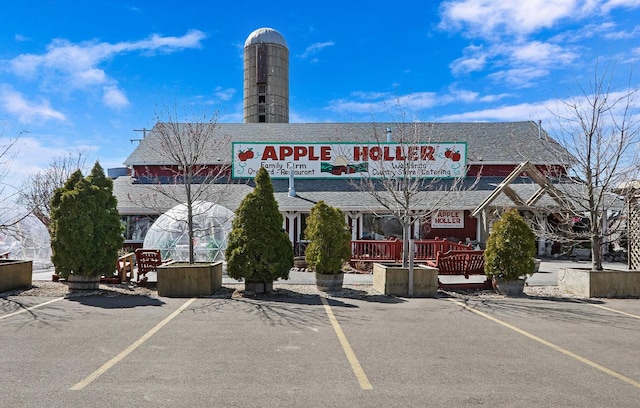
{"points": [[30, 308], [351, 356], [106, 366], [550, 345], [614, 310]]}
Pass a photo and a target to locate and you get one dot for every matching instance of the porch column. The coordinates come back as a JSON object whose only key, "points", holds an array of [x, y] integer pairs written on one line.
{"points": [[542, 243], [356, 224], [291, 218]]}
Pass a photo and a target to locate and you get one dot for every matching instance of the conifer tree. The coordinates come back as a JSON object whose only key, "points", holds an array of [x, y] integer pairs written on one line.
{"points": [[330, 244], [85, 228], [510, 248], [259, 250]]}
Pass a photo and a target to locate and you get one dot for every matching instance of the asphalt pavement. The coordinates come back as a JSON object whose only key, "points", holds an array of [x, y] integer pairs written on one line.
{"points": [[313, 351]]}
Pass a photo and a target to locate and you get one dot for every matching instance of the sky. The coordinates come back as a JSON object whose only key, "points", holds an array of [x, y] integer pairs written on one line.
{"points": [[82, 76]]}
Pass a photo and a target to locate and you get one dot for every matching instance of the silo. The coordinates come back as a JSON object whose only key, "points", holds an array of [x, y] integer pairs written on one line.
{"points": [[266, 77]]}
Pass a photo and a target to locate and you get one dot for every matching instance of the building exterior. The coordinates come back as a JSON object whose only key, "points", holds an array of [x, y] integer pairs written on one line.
{"points": [[309, 162]]}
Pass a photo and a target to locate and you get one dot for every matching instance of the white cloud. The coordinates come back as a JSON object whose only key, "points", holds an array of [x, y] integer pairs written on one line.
{"points": [[523, 111], [492, 19], [67, 66], [610, 4], [367, 102], [540, 53], [519, 77], [224, 94], [488, 18], [15, 104], [475, 59], [114, 97], [411, 104], [315, 47]]}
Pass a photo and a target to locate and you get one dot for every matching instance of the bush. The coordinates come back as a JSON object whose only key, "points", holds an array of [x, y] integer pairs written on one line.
{"points": [[510, 248], [330, 244], [259, 250], [85, 228]]}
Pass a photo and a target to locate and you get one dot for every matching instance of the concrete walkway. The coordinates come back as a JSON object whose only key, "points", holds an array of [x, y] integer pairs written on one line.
{"points": [[547, 276]]}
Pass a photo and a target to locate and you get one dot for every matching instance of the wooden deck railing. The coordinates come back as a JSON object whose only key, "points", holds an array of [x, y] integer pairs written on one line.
{"points": [[391, 250], [376, 250]]}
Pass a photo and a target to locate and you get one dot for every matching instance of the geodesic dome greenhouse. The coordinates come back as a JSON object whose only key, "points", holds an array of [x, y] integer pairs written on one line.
{"points": [[28, 239], [211, 226]]}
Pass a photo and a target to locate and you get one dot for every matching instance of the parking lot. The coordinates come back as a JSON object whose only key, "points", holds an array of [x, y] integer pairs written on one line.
{"points": [[315, 351]]}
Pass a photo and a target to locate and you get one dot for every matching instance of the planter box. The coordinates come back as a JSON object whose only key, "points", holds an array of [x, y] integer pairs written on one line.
{"points": [[606, 283], [392, 279], [15, 274], [184, 280]]}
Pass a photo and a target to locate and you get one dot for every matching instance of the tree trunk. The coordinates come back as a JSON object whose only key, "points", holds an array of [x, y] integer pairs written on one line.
{"points": [[405, 243]]}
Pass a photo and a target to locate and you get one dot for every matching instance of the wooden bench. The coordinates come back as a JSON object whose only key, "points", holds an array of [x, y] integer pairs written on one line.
{"points": [[123, 272], [460, 263], [124, 267]]}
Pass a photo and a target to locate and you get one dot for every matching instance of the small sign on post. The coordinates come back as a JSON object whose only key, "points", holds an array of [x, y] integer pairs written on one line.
{"points": [[448, 219]]}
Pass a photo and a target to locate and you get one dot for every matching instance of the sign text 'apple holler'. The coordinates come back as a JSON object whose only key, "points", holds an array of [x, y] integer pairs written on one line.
{"points": [[350, 160]]}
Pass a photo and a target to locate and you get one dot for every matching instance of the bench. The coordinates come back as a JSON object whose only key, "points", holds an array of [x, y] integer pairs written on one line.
{"points": [[124, 267], [460, 263], [123, 272]]}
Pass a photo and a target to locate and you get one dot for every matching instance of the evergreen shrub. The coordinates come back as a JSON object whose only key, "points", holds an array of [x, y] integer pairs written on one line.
{"points": [[330, 238], [511, 248], [259, 249], [86, 232]]}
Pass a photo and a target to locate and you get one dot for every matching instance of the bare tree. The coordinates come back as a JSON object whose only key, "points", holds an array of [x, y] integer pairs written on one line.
{"points": [[190, 168], [10, 215], [599, 129], [423, 177], [37, 190]]}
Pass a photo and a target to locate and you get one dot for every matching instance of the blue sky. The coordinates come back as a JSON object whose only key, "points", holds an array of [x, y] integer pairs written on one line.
{"points": [[82, 75]]}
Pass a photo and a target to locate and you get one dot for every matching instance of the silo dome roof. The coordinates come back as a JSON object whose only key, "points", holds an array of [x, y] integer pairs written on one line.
{"points": [[265, 35]]}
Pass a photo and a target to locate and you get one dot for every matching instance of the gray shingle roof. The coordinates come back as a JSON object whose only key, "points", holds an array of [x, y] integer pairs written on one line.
{"points": [[488, 143]]}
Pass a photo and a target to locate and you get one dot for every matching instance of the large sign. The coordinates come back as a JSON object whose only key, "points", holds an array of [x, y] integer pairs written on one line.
{"points": [[350, 160], [448, 219]]}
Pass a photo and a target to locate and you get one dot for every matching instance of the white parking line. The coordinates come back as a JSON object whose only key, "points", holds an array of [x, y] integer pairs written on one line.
{"points": [[614, 310], [106, 366], [30, 308], [351, 356], [550, 345]]}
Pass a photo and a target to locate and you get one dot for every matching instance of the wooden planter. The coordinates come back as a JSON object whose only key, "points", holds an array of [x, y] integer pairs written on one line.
{"points": [[82, 282], [329, 282], [393, 279], [511, 287], [258, 286], [607, 283], [184, 280], [15, 274]]}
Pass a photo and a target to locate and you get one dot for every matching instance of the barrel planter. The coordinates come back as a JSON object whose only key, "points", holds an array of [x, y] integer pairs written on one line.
{"points": [[82, 282], [508, 287], [258, 286], [329, 282], [177, 279], [15, 274]]}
